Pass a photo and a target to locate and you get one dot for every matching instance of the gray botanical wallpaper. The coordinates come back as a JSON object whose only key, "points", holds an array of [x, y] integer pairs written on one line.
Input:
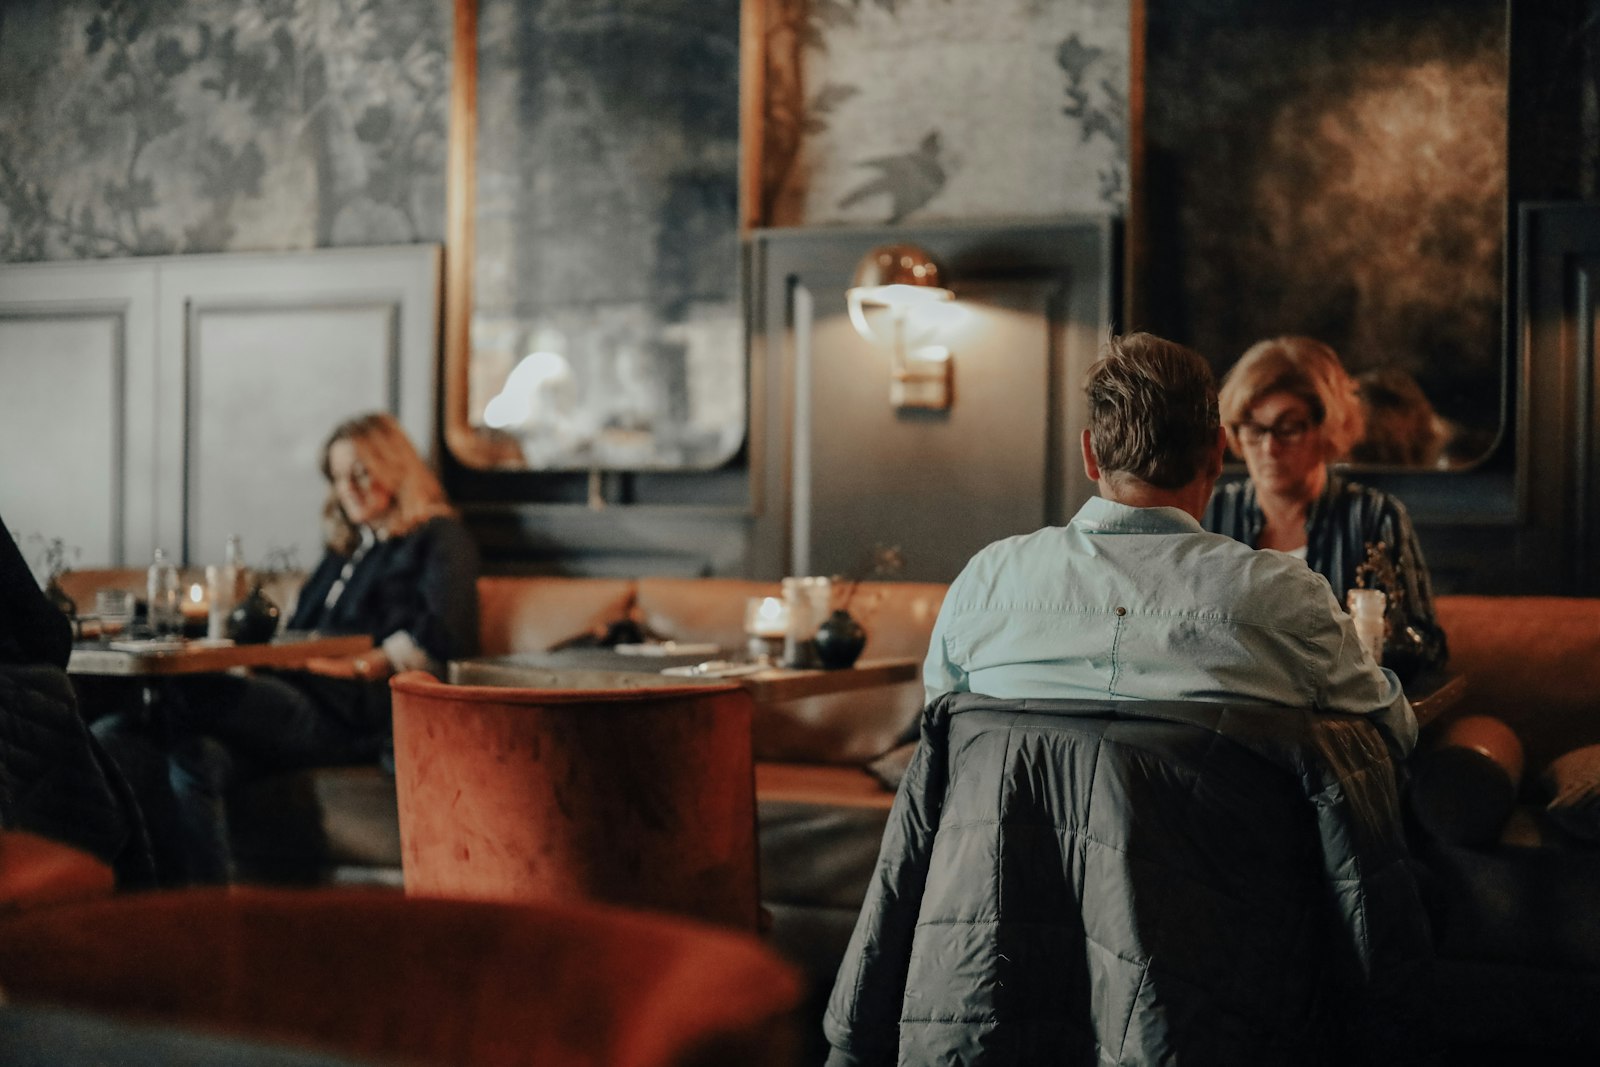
{"points": [[887, 110], [171, 126], [131, 127]]}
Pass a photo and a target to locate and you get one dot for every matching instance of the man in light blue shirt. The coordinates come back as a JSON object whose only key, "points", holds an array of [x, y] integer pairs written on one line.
{"points": [[1133, 600]]}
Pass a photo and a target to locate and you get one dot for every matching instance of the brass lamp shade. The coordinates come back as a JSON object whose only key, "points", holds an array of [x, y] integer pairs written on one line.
{"points": [[905, 264]]}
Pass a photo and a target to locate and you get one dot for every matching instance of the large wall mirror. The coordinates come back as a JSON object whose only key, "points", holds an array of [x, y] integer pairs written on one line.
{"points": [[1336, 169], [594, 317]]}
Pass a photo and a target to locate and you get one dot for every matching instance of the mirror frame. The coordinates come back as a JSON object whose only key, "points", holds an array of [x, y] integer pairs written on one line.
{"points": [[469, 444], [1137, 251]]}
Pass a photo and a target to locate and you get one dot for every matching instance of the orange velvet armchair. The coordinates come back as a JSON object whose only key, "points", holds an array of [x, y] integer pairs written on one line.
{"points": [[643, 797], [378, 975]]}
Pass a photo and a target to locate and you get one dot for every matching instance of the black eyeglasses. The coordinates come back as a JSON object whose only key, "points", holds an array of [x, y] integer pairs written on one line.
{"points": [[1286, 431]]}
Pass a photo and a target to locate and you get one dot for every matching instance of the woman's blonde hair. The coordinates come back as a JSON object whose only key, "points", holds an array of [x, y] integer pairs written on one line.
{"points": [[1301, 367], [390, 459]]}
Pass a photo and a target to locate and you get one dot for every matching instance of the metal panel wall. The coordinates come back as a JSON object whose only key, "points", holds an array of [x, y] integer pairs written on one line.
{"points": [[843, 471]]}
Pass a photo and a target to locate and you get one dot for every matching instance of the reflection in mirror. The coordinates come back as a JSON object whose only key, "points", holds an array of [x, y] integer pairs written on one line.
{"points": [[606, 323], [1336, 170]]}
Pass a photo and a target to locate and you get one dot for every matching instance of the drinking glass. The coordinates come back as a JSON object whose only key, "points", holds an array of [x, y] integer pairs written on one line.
{"points": [[115, 608], [766, 620]]}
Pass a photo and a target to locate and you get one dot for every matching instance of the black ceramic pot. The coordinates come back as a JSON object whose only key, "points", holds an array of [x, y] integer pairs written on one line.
{"points": [[254, 620], [840, 640]]}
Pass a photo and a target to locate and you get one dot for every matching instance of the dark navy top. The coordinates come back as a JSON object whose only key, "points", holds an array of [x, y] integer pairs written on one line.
{"points": [[423, 583]]}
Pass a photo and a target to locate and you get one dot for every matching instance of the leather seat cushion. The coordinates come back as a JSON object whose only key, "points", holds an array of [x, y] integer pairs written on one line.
{"points": [[532, 614], [1529, 662]]}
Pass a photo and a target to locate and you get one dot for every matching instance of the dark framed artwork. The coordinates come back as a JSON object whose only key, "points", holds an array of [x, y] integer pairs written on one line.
{"points": [[1336, 169]]}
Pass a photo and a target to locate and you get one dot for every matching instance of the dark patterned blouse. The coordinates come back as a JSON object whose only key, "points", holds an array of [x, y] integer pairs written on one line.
{"points": [[1343, 528]]}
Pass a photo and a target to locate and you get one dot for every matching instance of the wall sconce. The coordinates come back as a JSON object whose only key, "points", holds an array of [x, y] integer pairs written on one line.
{"points": [[893, 282]]}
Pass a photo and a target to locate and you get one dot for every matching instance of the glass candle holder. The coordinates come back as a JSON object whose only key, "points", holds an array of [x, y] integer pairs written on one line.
{"points": [[1367, 607], [808, 600], [766, 621], [115, 608]]}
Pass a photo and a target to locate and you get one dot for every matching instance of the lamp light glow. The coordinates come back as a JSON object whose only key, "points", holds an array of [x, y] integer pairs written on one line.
{"points": [[896, 281]]}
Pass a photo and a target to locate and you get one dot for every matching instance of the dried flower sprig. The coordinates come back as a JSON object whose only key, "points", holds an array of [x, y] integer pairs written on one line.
{"points": [[883, 561], [281, 560], [1377, 571], [53, 555]]}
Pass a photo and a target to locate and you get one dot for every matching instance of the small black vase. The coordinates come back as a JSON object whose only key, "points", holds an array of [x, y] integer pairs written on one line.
{"points": [[840, 640], [254, 620]]}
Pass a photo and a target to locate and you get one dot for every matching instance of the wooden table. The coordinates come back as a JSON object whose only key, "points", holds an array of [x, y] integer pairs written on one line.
{"points": [[604, 669], [289, 651]]}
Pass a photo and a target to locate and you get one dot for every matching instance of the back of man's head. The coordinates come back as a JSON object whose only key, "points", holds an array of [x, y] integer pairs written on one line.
{"points": [[1152, 410]]}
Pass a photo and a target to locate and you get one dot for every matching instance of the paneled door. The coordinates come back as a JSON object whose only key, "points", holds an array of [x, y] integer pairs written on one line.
{"points": [[173, 401]]}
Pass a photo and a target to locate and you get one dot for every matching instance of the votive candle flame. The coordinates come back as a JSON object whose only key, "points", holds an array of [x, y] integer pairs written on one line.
{"points": [[770, 618], [194, 606]]}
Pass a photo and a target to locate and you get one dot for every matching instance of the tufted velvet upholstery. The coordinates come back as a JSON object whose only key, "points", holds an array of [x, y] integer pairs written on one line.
{"points": [[643, 797], [415, 981]]}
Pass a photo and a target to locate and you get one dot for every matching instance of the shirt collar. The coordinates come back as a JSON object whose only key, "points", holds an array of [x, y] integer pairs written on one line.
{"points": [[1099, 515]]}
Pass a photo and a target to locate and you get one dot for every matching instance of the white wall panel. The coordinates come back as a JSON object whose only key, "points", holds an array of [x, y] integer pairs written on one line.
{"points": [[62, 476], [77, 389], [256, 428], [279, 348]]}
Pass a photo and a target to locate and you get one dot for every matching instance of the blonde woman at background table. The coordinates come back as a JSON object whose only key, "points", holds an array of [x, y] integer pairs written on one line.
{"points": [[399, 567], [1290, 410]]}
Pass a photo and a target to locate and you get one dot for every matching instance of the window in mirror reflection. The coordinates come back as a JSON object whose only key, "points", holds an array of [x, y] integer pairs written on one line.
{"points": [[607, 330]]}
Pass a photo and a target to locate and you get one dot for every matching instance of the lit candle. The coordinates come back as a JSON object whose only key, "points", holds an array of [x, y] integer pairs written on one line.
{"points": [[194, 605], [767, 618]]}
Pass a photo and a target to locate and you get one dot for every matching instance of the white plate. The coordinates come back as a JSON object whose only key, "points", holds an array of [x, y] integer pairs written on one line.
{"points": [[149, 644], [715, 669], [211, 642], [670, 648]]}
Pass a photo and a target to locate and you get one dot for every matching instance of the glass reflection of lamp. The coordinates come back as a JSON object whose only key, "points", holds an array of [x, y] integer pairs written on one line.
{"points": [[534, 407], [895, 282]]}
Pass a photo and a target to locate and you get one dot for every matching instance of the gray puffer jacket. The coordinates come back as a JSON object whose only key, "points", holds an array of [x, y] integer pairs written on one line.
{"points": [[1121, 882]]}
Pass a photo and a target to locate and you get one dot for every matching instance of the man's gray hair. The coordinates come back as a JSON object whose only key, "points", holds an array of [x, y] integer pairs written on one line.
{"points": [[1152, 410]]}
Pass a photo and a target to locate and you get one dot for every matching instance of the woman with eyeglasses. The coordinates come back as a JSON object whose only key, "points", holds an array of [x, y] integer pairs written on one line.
{"points": [[1290, 409]]}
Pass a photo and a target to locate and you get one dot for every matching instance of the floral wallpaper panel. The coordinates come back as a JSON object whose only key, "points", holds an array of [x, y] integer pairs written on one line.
{"points": [[172, 126], [889, 110]]}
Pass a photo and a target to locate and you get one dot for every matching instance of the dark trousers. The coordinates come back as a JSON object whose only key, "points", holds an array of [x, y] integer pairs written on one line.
{"points": [[205, 735]]}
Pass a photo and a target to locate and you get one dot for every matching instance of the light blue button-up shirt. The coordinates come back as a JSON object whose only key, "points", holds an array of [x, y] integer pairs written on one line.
{"points": [[1142, 604]]}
